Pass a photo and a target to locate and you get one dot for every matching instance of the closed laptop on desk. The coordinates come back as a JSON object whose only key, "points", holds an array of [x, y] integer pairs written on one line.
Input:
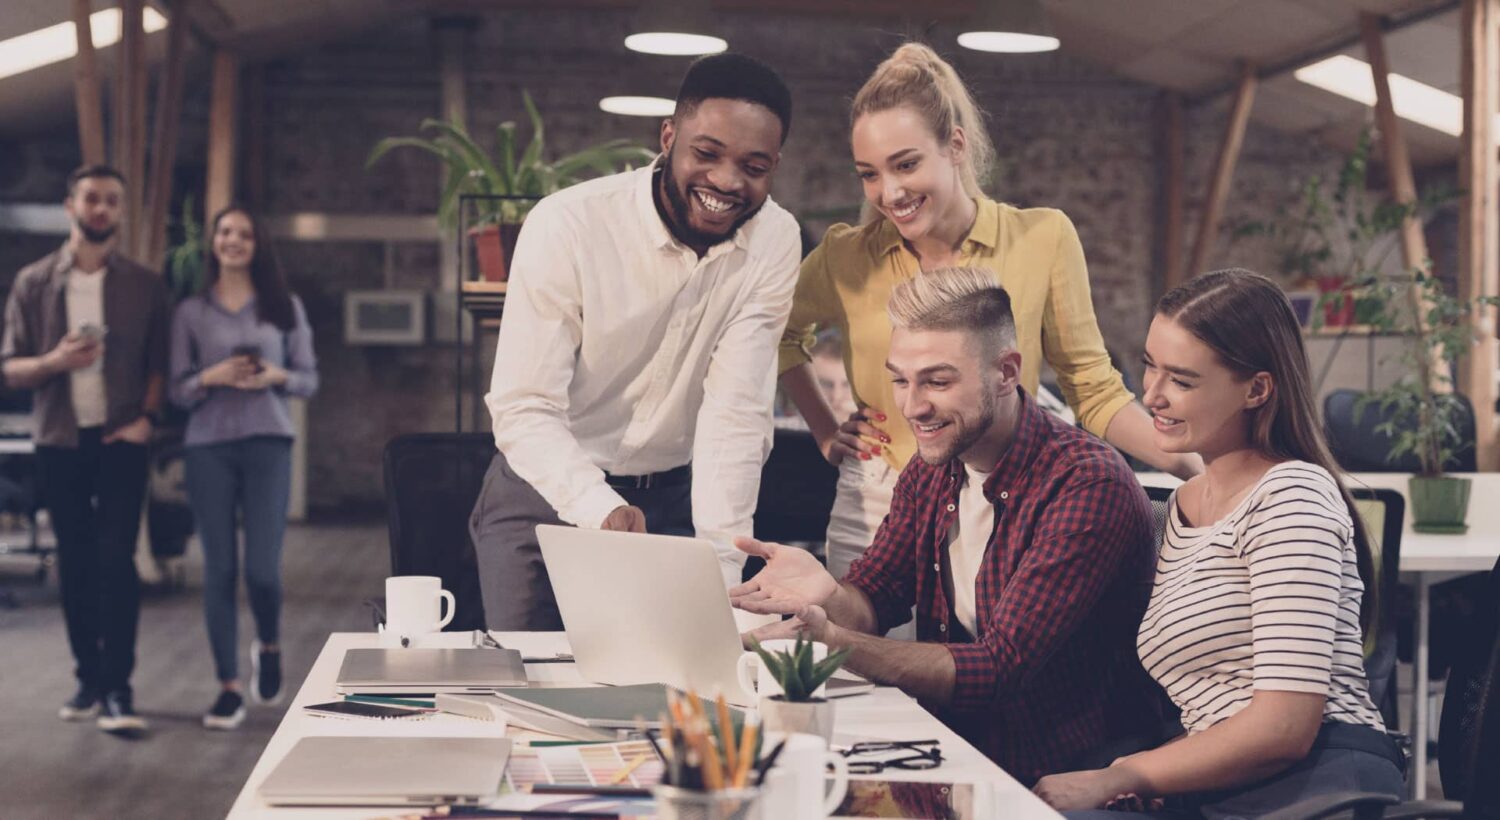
{"points": [[388, 771], [429, 671]]}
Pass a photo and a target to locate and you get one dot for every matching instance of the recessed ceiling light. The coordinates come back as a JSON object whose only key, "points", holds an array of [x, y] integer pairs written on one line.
{"points": [[1009, 26], [675, 43], [639, 106], [56, 43], [1419, 102]]}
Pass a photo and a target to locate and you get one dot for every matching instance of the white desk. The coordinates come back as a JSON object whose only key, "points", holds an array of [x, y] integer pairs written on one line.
{"points": [[885, 714], [1428, 559]]}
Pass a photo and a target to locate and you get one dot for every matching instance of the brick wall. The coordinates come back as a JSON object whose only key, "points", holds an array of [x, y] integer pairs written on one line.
{"points": [[1068, 135]]}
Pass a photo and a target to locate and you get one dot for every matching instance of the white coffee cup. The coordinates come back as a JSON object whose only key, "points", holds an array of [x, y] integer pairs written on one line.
{"points": [[794, 788], [413, 609], [757, 680]]}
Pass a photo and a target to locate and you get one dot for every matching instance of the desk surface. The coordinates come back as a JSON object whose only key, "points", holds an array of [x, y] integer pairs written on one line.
{"points": [[1474, 551], [885, 714]]}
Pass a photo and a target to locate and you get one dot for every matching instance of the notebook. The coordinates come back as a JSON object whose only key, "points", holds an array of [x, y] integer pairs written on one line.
{"points": [[429, 671], [600, 707], [388, 771]]}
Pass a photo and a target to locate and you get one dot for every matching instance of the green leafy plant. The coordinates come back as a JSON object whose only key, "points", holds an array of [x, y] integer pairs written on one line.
{"points": [[183, 266], [796, 672], [1420, 410], [470, 170]]}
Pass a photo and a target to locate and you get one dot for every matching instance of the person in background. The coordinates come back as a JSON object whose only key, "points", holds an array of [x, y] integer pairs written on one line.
{"points": [[648, 304], [239, 350], [1024, 544], [921, 153], [1255, 624], [86, 329], [833, 380]]}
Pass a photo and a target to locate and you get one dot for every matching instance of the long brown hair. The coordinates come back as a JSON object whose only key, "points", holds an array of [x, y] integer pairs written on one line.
{"points": [[273, 300], [1248, 322]]}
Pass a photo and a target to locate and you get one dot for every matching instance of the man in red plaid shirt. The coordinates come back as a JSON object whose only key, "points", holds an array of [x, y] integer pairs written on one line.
{"points": [[1025, 546]]}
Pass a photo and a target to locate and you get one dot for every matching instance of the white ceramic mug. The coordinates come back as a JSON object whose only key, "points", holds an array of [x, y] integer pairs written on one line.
{"points": [[757, 680], [794, 787], [413, 609]]}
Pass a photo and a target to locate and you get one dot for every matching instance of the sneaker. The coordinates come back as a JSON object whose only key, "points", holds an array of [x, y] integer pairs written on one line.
{"points": [[82, 706], [228, 712], [117, 715], [265, 678]]}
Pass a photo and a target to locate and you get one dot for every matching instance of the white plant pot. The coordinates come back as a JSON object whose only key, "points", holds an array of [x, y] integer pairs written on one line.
{"points": [[814, 717]]}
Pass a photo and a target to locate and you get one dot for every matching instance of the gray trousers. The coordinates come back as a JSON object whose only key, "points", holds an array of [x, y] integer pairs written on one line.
{"points": [[512, 578]]}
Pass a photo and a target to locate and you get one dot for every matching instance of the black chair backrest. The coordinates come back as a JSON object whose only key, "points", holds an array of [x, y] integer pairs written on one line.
{"points": [[1161, 498], [431, 483], [1469, 733], [1383, 512], [796, 490], [1358, 448]]}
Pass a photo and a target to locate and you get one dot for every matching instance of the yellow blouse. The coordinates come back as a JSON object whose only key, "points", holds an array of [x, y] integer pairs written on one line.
{"points": [[1036, 256]]}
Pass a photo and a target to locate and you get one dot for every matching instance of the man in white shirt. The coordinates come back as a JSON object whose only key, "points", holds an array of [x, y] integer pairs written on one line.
{"points": [[635, 370]]}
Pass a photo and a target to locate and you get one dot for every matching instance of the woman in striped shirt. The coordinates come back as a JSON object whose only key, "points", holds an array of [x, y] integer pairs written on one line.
{"points": [[1256, 617]]}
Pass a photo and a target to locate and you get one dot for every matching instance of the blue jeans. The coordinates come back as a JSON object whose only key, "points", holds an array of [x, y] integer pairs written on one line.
{"points": [[248, 479]]}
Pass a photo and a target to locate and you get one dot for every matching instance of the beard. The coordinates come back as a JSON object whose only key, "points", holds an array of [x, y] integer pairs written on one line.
{"points": [[678, 209], [98, 236], [969, 430]]}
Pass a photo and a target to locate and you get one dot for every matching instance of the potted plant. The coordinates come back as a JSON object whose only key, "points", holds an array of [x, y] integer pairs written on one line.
{"points": [[1419, 411], [799, 675], [529, 177]]}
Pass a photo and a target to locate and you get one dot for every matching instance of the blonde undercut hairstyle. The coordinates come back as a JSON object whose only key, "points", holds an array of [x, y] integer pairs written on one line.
{"points": [[958, 298], [915, 77]]}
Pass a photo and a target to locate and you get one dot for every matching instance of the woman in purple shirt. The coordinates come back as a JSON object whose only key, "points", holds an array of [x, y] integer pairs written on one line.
{"points": [[239, 349]]}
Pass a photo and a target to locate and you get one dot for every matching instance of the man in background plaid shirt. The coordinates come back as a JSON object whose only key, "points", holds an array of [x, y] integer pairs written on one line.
{"points": [[1024, 544]]}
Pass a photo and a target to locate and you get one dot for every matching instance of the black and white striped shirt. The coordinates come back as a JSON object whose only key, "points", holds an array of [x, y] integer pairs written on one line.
{"points": [[1266, 598]]}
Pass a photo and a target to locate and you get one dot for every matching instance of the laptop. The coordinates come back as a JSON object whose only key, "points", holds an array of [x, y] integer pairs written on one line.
{"points": [[644, 609], [429, 671], [388, 771]]}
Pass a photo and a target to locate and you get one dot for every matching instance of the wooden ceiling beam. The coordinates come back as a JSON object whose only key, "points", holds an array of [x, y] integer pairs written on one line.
{"points": [[1479, 216], [86, 88], [1228, 157]]}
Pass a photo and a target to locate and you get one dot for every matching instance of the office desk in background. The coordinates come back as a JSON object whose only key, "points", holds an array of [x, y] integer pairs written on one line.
{"points": [[1426, 559], [885, 714]]}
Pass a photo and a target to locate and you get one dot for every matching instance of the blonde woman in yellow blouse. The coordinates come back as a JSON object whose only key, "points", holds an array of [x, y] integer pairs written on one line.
{"points": [[920, 149]]}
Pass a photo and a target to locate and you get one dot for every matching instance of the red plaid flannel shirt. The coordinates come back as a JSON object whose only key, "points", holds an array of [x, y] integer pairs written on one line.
{"points": [[1053, 672]]}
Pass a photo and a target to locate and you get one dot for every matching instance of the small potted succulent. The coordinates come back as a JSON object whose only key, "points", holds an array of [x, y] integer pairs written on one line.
{"points": [[800, 675]]}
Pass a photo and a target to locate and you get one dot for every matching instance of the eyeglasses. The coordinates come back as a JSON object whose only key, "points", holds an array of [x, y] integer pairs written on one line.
{"points": [[925, 755]]}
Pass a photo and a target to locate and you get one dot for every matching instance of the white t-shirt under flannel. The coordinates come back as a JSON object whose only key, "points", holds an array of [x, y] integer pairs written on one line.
{"points": [[1266, 598], [84, 295]]}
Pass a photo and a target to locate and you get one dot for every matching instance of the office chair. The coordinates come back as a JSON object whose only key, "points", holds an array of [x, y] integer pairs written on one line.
{"points": [[431, 483], [797, 486], [1358, 448], [1161, 498], [1382, 512], [1468, 745]]}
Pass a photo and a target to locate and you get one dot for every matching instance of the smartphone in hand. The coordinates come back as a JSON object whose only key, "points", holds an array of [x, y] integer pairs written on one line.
{"points": [[92, 332], [251, 352]]}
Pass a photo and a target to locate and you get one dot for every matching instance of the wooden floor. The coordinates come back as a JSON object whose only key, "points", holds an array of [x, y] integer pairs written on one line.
{"points": [[50, 768]]}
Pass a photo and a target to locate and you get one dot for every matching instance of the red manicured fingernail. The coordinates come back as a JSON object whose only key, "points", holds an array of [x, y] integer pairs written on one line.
{"points": [[865, 456], [877, 449], [880, 416]]}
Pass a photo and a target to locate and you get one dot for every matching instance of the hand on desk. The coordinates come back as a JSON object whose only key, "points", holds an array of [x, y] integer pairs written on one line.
{"points": [[625, 519], [792, 579]]}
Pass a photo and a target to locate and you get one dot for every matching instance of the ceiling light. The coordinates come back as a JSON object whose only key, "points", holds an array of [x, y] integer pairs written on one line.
{"points": [[1009, 26], [639, 106], [54, 44], [676, 28], [1416, 101]]}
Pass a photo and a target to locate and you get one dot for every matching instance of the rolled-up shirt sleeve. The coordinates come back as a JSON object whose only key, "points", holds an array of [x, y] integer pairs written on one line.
{"points": [[814, 305], [1071, 341], [1083, 541], [535, 357], [885, 572]]}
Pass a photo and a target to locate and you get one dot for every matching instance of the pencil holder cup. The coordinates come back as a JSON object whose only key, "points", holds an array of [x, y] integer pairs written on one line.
{"points": [[673, 803]]}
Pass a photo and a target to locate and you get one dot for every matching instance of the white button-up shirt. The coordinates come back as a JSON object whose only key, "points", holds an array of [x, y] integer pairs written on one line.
{"points": [[623, 352]]}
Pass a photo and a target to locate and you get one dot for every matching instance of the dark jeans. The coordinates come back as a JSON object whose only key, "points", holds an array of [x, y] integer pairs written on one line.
{"points": [[94, 494], [245, 480], [517, 592], [1344, 758]]}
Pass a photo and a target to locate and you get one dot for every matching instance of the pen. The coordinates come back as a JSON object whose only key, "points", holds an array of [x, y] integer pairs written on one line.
{"points": [[583, 788]]}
